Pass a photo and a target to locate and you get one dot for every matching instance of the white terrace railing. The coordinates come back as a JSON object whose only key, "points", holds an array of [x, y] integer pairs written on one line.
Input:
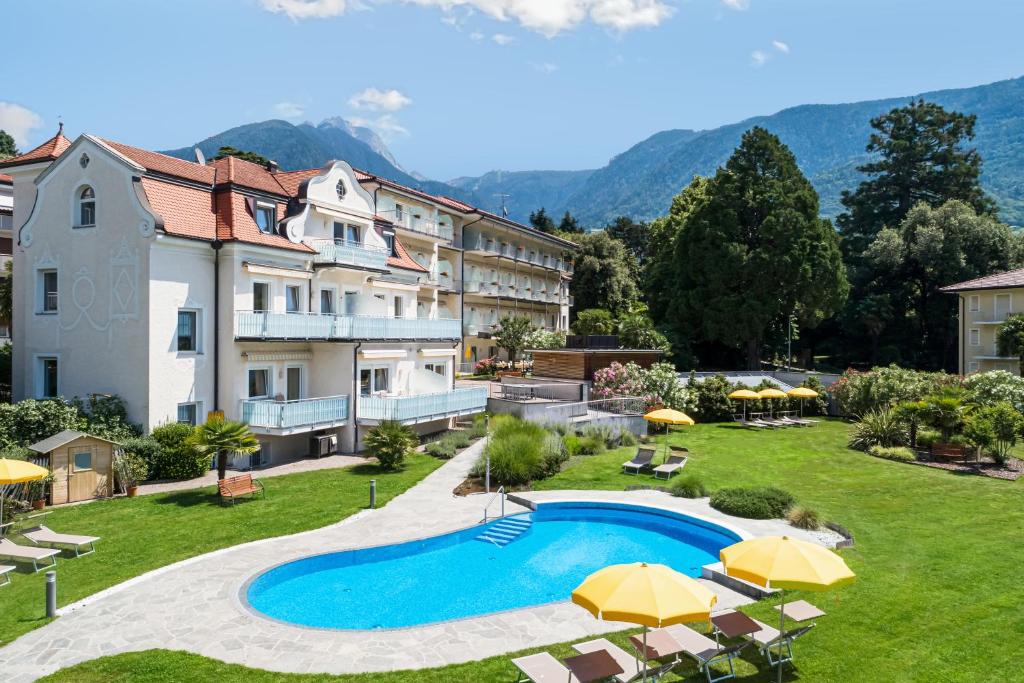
{"points": [[266, 325], [342, 253], [594, 412], [303, 412], [422, 407], [426, 226]]}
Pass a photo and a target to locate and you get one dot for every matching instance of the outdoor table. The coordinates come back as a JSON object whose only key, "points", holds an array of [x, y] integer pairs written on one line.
{"points": [[660, 645], [734, 624], [801, 610], [593, 666]]}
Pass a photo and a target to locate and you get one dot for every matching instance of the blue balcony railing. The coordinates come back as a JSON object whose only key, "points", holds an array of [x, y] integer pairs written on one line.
{"points": [[422, 407], [264, 325], [338, 252], [305, 412]]}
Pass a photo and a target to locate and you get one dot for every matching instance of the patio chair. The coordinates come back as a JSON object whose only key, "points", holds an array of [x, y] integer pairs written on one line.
{"points": [[705, 651], [47, 537], [761, 423], [672, 464], [631, 666], [643, 459], [5, 570], [542, 668], [769, 638], [13, 551]]}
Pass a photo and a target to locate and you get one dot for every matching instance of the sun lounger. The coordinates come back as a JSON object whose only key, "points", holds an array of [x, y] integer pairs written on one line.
{"points": [[796, 422], [24, 553], [763, 424], [672, 464], [631, 667], [542, 668], [739, 419], [45, 536], [769, 638], [642, 460], [705, 651], [5, 569]]}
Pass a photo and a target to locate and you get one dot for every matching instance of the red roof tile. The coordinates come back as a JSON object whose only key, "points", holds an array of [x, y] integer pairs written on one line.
{"points": [[403, 260], [246, 174], [187, 211], [235, 222], [1011, 278], [48, 151], [291, 180], [161, 163], [6, 179]]}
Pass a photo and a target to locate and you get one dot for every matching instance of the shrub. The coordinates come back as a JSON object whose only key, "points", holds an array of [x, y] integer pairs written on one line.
{"points": [[627, 438], [998, 425], [858, 393], [711, 398], [487, 367], [572, 444], [898, 453], [130, 468], [882, 427], [176, 458], [458, 439], [29, 421], [553, 455], [927, 437], [988, 388], [815, 406], [147, 449], [661, 386], [479, 428], [516, 459], [688, 486], [591, 445], [804, 518], [605, 433], [106, 416], [440, 449], [390, 442], [617, 380], [752, 503]]}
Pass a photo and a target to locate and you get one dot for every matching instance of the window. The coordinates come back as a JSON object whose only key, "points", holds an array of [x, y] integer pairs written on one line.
{"points": [[188, 337], [340, 189], [380, 379], [399, 213], [265, 217], [48, 378], [259, 383], [260, 296], [293, 390], [83, 460], [352, 234], [293, 298], [48, 291], [86, 208], [974, 337], [6, 221], [339, 232], [327, 301], [974, 303], [439, 368], [389, 241], [373, 380], [972, 366], [399, 309], [188, 413]]}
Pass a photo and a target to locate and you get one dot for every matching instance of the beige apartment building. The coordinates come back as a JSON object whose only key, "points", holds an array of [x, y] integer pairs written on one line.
{"points": [[984, 304]]}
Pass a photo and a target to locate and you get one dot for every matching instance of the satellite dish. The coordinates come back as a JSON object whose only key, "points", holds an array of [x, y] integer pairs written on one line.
{"points": [[200, 159]]}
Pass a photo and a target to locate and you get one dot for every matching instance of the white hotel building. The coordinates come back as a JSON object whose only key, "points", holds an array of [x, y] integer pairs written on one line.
{"points": [[310, 304]]}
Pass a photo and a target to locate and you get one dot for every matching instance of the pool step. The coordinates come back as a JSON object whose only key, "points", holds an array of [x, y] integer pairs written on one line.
{"points": [[505, 531]]}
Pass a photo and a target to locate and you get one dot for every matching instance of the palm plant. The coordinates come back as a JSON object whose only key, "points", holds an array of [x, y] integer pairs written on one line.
{"points": [[389, 442], [947, 411], [220, 437], [914, 413]]}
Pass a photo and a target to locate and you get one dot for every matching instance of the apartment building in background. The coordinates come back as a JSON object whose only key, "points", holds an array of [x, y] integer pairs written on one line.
{"points": [[6, 241], [983, 305], [310, 304]]}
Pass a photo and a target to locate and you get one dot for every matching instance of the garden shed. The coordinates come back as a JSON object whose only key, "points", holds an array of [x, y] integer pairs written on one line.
{"points": [[82, 465]]}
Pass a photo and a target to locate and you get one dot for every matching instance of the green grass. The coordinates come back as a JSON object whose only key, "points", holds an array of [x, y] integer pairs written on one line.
{"points": [[147, 532], [938, 561]]}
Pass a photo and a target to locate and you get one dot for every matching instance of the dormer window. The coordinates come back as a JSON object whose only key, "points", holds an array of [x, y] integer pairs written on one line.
{"points": [[86, 208], [265, 217]]}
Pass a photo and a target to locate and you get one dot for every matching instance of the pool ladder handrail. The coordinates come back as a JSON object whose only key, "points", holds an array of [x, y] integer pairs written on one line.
{"points": [[499, 493]]}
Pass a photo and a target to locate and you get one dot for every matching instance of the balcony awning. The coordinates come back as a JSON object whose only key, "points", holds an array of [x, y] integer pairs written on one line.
{"points": [[261, 269], [277, 355], [436, 353], [334, 213], [376, 354]]}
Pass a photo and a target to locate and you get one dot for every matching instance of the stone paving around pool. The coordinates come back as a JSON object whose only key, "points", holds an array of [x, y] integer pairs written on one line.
{"points": [[194, 605]]}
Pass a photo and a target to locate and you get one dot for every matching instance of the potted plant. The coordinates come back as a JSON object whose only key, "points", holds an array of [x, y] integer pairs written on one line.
{"points": [[130, 469], [37, 492]]}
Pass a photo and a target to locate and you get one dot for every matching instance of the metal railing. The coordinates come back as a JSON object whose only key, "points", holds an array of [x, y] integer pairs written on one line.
{"points": [[500, 494], [340, 252], [266, 325], [303, 412], [595, 411], [422, 407], [426, 226]]}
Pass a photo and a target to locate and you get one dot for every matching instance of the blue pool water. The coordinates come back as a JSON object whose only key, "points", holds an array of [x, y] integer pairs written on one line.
{"points": [[455, 575]]}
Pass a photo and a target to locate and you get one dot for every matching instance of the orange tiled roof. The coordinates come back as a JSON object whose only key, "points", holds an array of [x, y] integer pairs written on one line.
{"points": [[48, 151], [403, 260], [291, 180], [247, 174], [6, 179], [187, 211], [161, 163], [235, 222], [1011, 278]]}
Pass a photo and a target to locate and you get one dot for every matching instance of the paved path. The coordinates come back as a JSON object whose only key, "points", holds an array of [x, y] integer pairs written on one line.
{"points": [[194, 605], [329, 462]]}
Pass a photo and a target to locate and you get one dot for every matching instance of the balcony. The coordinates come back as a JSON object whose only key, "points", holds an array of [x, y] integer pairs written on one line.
{"points": [[421, 407], [288, 326], [429, 227], [286, 417], [341, 253]]}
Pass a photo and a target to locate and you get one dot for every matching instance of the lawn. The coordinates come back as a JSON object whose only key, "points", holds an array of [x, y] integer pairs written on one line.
{"points": [[937, 555], [144, 533]]}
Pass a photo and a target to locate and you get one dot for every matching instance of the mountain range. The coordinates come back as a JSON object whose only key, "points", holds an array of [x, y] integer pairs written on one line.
{"points": [[827, 139]]}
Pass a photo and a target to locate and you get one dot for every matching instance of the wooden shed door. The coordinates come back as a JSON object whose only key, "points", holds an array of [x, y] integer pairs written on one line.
{"points": [[89, 466]]}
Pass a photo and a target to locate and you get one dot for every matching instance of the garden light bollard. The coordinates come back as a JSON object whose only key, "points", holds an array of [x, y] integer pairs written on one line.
{"points": [[51, 594], [373, 493]]}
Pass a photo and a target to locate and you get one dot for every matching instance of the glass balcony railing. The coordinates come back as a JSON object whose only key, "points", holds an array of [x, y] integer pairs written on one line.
{"points": [[338, 252], [422, 407], [263, 325], [304, 412], [425, 226]]}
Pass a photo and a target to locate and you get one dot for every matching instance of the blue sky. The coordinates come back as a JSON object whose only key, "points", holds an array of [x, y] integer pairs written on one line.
{"points": [[460, 87]]}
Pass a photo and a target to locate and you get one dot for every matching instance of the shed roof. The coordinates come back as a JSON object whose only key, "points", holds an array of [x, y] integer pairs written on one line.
{"points": [[62, 439]]}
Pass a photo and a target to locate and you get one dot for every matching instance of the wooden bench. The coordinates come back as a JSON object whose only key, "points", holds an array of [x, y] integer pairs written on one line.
{"points": [[947, 451], [242, 485]]}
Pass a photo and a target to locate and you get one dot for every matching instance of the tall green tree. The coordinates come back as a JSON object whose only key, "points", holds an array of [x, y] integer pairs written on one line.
{"points": [[603, 275], [593, 321], [570, 225], [1010, 338], [7, 291], [218, 437], [8, 148], [540, 220], [755, 251], [512, 334], [636, 236], [244, 155]]}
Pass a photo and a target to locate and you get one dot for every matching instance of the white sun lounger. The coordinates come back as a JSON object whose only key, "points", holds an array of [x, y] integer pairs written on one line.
{"points": [[673, 464], [769, 638], [47, 537], [542, 668], [5, 569], [25, 553], [631, 667], [705, 651]]}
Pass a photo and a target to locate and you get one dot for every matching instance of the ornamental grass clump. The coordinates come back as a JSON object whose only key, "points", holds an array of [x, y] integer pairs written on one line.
{"points": [[897, 453], [688, 486], [882, 427], [804, 518], [765, 502]]}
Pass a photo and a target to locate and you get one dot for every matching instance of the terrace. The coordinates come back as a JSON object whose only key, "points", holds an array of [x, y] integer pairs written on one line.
{"points": [[355, 254], [267, 326], [418, 408], [268, 416]]}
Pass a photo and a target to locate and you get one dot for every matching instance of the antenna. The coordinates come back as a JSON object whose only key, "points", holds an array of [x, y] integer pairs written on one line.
{"points": [[502, 196], [200, 157]]}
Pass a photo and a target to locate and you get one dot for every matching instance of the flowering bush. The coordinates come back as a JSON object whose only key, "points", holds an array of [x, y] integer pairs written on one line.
{"points": [[618, 380], [487, 366], [543, 339], [988, 388], [858, 393], [658, 385], [711, 398]]}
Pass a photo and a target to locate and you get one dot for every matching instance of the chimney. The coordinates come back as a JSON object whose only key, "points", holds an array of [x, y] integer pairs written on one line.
{"points": [[272, 166]]}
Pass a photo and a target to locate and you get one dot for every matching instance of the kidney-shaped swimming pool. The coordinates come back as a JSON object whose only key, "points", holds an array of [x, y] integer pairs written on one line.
{"points": [[459, 575]]}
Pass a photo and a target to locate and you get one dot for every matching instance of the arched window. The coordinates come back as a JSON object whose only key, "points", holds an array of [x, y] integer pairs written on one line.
{"points": [[86, 207]]}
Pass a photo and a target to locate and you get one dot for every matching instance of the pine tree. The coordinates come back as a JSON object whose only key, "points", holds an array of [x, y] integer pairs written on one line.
{"points": [[570, 225], [8, 148], [542, 221]]}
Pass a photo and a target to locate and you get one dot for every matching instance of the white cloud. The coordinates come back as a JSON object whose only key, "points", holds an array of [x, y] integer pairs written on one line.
{"points": [[548, 17], [503, 39], [289, 110], [758, 58], [373, 99], [385, 125], [738, 5], [545, 67], [18, 121], [476, 36], [781, 46]]}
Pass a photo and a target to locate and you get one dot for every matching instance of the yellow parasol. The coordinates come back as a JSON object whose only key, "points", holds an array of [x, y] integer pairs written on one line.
{"points": [[782, 562], [771, 393], [651, 595], [744, 395], [667, 416], [802, 393], [17, 472]]}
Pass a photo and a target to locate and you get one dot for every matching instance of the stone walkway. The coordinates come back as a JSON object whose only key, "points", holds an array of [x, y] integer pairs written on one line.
{"points": [[194, 605], [329, 462]]}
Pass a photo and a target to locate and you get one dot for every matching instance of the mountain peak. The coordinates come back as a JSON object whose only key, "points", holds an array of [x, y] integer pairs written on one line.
{"points": [[364, 134]]}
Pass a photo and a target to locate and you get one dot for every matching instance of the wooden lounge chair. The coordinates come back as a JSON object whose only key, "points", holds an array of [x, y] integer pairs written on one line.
{"points": [[24, 553], [242, 485], [642, 460], [542, 668], [672, 464], [631, 666], [705, 651], [47, 537], [769, 638], [5, 570]]}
